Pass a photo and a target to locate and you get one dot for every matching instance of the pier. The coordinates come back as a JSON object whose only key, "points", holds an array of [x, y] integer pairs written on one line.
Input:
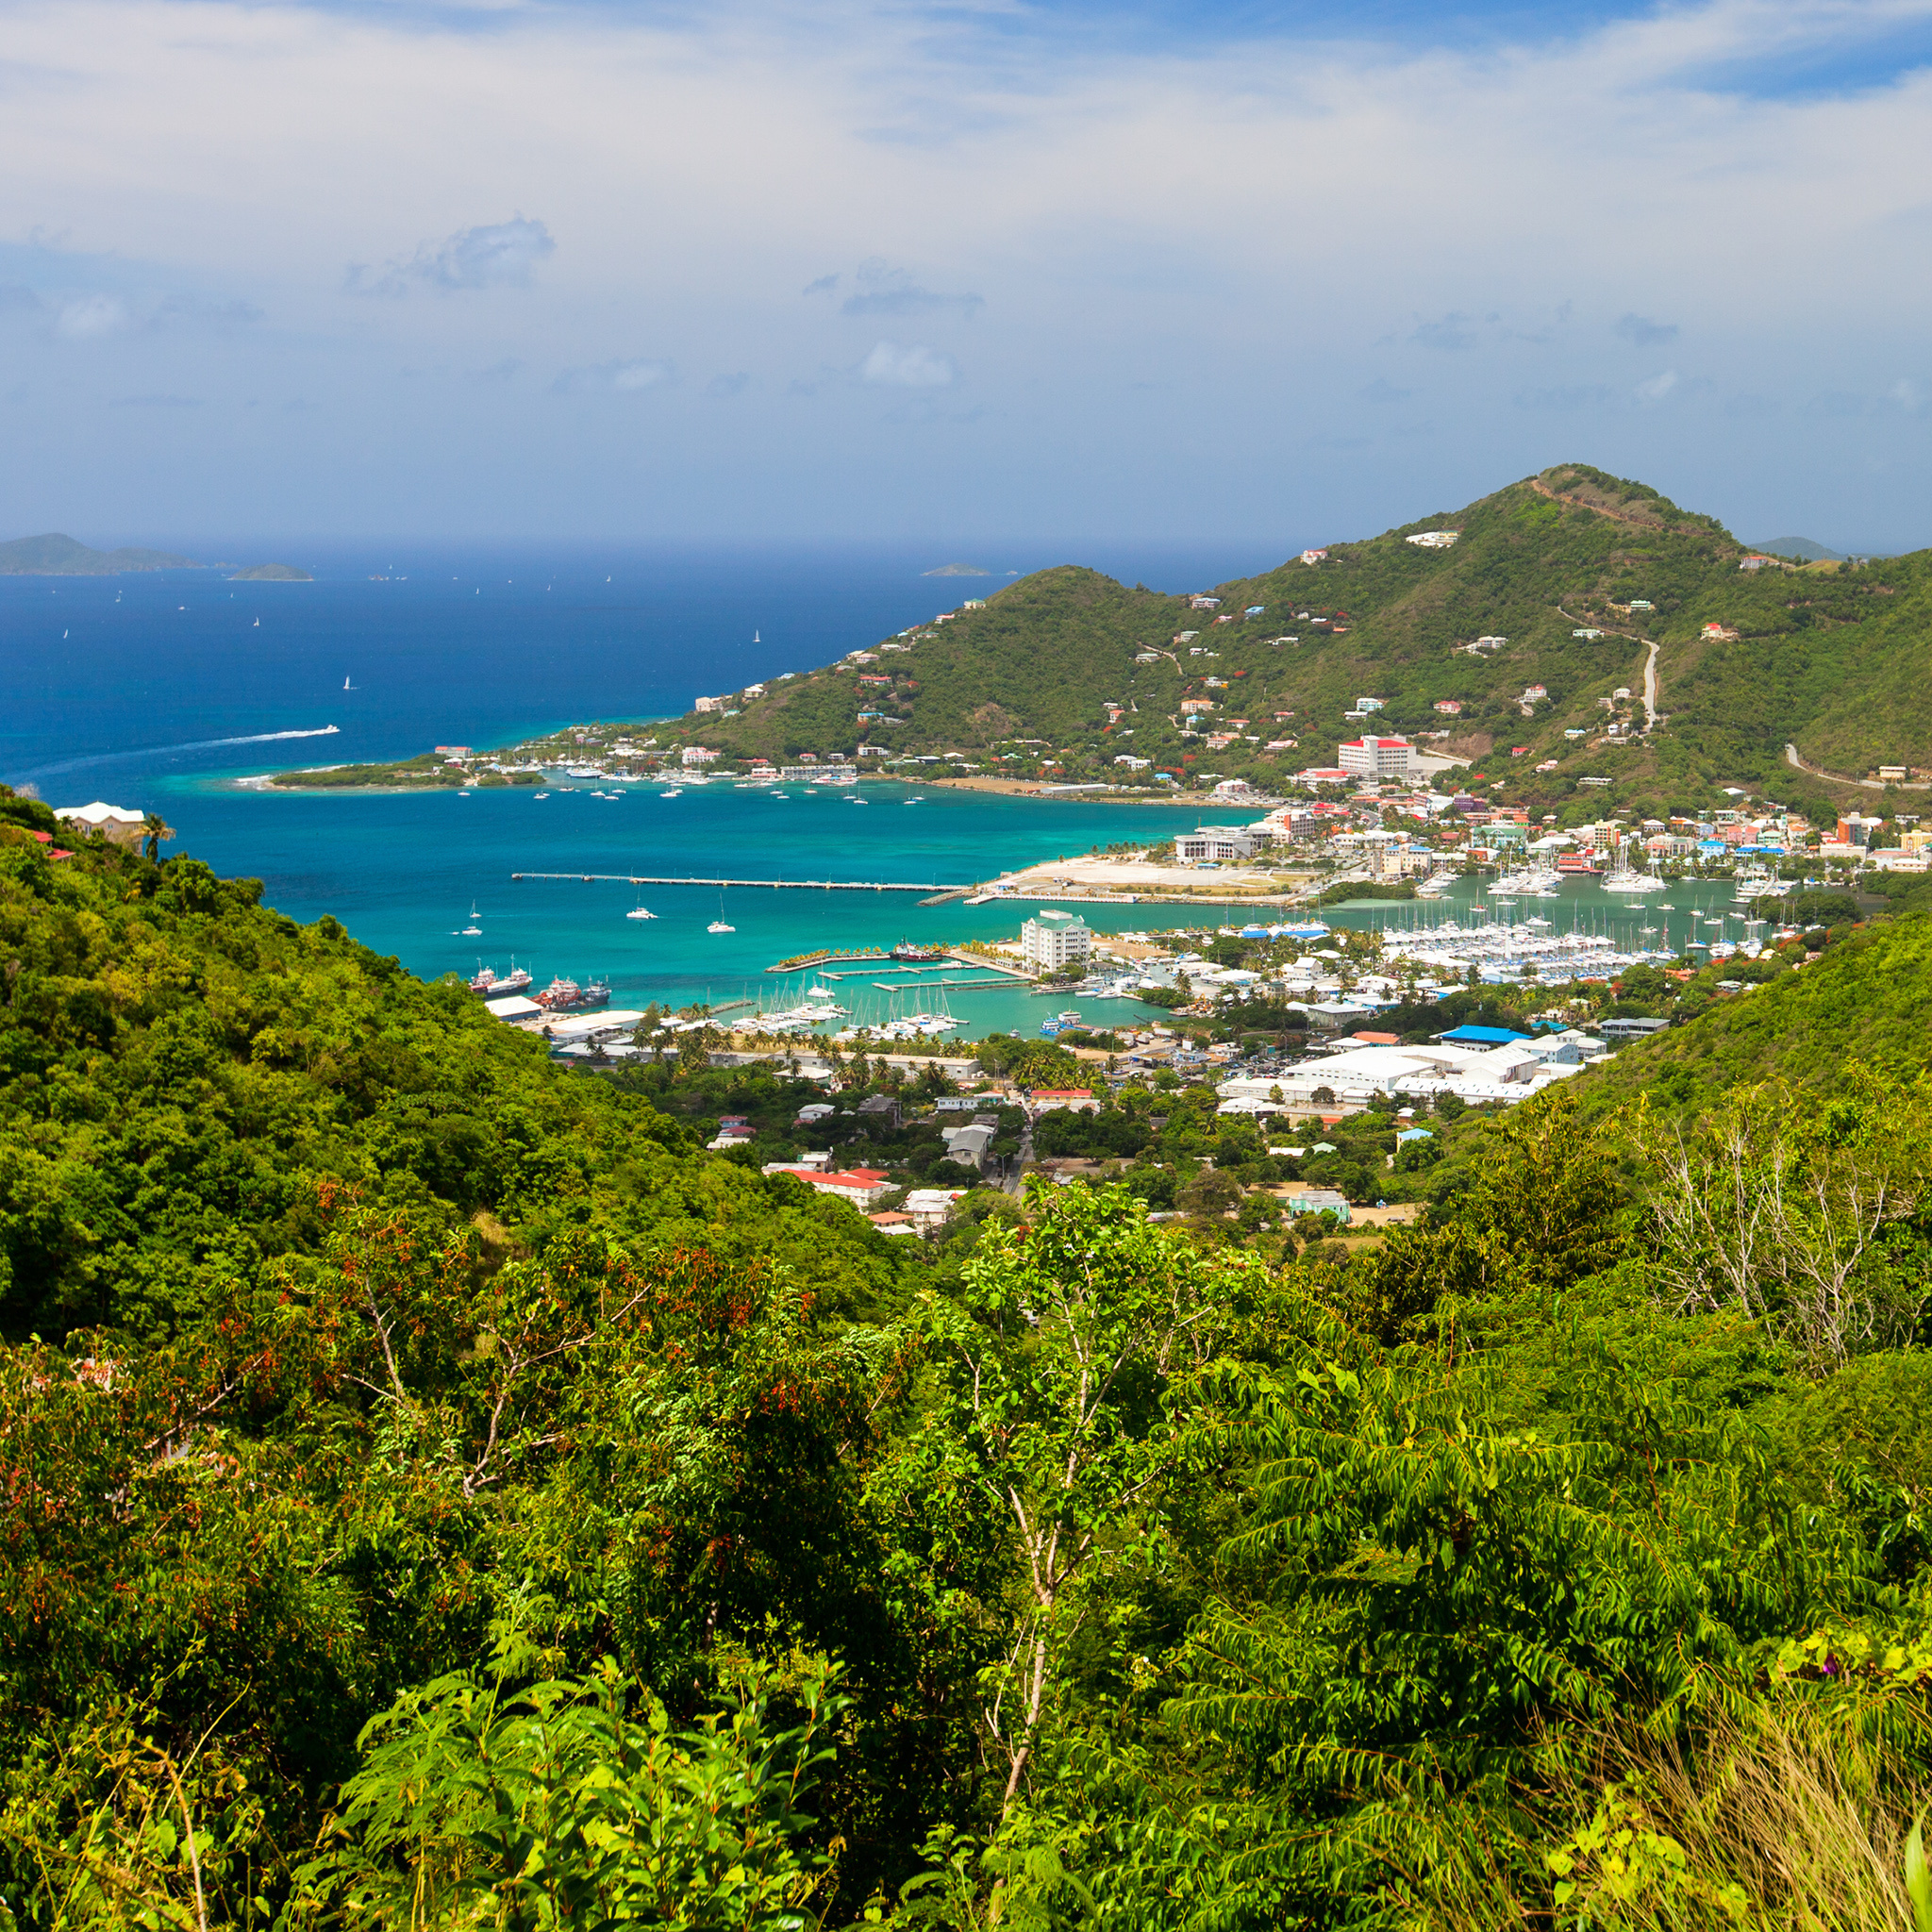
{"points": [[636, 878]]}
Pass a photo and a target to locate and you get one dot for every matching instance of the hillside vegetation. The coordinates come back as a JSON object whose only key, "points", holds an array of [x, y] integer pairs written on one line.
{"points": [[441, 1496], [57, 556], [1825, 654]]}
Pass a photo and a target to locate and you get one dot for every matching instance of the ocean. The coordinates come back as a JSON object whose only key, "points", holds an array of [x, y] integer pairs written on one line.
{"points": [[158, 691]]}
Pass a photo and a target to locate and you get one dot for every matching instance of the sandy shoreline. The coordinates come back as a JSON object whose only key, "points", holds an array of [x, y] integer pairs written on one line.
{"points": [[1029, 788]]}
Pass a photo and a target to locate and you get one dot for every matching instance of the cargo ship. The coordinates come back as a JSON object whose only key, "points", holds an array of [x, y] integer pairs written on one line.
{"points": [[487, 986], [567, 996]]}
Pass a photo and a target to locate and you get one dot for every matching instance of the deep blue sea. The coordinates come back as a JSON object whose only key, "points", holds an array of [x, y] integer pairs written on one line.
{"points": [[158, 691]]}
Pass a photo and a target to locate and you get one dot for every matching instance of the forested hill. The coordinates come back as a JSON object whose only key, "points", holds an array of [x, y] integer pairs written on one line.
{"points": [[440, 1494], [1825, 654], [55, 555], [187, 1071]]}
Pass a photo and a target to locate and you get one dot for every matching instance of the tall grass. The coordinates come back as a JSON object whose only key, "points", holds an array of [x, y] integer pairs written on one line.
{"points": [[1792, 1820]]}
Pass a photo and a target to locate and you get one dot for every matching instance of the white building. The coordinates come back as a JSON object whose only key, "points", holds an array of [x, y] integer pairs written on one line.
{"points": [[1220, 844], [1434, 539], [712, 705], [1376, 758], [1053, 941]]}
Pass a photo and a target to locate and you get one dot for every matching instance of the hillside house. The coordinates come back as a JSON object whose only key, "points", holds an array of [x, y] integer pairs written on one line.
{"points": [[1376, 758], [1433, 539]]}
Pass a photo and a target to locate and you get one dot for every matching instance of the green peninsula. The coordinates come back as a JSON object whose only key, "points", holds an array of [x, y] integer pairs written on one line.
{"points": [[272, 574]]}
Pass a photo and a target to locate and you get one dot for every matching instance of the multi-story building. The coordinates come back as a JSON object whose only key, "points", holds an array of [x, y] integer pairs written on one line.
{"points": [[1053, 941], [1376, 758]]}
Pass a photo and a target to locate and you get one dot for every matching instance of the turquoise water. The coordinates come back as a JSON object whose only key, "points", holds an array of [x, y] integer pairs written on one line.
{"points": [[401, 872]]}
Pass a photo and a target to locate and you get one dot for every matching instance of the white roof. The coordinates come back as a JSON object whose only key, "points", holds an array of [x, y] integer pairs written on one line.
{"points": [[580, 1024], [512, 1006], [99, 814]]}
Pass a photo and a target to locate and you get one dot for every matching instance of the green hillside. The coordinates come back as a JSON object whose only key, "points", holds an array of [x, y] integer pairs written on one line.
{"points": [[1825, 654], [1867, 1000], [55, 555], [441, 1494]]}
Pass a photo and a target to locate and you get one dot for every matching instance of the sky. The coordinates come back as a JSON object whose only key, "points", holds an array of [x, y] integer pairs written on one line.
{"points": [[843, 270]]}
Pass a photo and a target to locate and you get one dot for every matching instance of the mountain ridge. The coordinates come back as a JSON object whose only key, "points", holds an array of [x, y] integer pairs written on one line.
{"points": [[1061, 674]]}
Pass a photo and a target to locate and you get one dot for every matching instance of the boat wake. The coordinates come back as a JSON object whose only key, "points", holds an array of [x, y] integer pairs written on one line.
{"points": [[155, 751]]}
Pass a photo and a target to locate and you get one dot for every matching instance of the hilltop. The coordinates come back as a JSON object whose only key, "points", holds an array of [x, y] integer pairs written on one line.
{"points": [[1562, 582], [55, 555], [272, 574]]}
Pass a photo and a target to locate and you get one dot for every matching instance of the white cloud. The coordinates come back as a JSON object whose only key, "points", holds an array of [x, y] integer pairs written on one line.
{"points": [[1162, 238], [89, 318], [496, 255], [626, 376], [911, 365]]}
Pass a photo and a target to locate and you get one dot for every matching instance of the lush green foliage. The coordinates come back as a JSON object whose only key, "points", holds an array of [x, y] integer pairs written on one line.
{"points": [[441, 1496]]}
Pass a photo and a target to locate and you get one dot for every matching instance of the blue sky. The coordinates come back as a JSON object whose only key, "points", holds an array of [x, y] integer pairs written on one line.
{"points": [[1280, 273]]}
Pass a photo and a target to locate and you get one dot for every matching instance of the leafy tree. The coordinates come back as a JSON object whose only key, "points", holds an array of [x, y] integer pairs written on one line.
{"points": [[575, 1802], [1055, 1366]]}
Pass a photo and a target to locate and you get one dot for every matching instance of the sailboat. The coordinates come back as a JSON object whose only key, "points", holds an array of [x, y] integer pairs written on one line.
{"points": [[718, 924], [472, 930], [258, 624], [754, 637], [347, 686], [638, 913]]}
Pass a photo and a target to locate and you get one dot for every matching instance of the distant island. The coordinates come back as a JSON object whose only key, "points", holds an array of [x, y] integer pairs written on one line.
{"points": [[55, 555], [958, 570], [272, 574]]}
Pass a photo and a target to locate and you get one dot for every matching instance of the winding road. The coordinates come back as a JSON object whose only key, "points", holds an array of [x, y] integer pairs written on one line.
{"points": [[1649, 663], [1792, 758]]}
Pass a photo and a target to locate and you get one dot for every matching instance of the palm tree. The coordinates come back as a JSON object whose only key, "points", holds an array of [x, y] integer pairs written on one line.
{"points": [[154, 829]]}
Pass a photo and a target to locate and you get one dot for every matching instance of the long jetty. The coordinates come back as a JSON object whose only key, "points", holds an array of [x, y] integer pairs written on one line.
{"points": [[636, 878]]}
